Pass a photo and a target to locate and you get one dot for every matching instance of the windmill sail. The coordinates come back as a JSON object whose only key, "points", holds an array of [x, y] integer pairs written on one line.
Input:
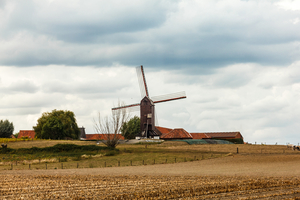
{"points": [[131, 106], [142, 81], [146, 107], [168, 97]]}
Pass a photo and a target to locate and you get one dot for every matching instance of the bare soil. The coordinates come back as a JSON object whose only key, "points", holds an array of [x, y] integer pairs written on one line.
{"points": [[245, 165], [240, 176]]}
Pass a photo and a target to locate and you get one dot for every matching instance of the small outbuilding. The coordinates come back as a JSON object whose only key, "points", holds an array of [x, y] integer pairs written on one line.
{"points": [[102, 136], [26, 133]]}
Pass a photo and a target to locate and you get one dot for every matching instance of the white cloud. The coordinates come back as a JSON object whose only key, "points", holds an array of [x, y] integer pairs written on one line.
{"points": [[289, 5], [248, 107]]}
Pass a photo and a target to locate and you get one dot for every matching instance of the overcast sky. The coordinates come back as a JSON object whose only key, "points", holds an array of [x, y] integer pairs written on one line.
{"points": [[238, 61]]}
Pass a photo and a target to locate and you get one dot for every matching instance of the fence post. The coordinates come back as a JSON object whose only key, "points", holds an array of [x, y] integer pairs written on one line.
{"points": [[131, 163], [16, 162], [175, 160], [105, 164], [118, 163], [29, 166], [154, 162], [143, 162], [77, 165], [11, 166], [237, 150], [46, 165]]}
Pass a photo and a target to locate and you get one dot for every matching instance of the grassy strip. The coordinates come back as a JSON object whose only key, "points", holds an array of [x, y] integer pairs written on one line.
{"points": [[56, 151], [89, 156], [120, 160]]}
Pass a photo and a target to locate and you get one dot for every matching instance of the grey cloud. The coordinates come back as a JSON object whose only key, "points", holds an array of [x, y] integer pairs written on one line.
{"points": [[85, 21], [156, 34]]}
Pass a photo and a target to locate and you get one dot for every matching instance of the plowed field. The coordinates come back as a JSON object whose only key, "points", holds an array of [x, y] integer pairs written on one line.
{"points": [[149, 187], [236, 177]]}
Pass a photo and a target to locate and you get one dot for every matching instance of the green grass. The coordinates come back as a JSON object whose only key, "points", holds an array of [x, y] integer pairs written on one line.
{"points": [[60, 152], [91, 156], [55, 154]]}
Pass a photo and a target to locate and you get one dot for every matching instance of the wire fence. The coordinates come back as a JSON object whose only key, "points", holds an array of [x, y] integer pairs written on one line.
{"points": [[94, 163]]}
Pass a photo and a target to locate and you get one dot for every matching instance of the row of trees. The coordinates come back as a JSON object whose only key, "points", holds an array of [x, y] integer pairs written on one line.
{"points": [[60, 124]]}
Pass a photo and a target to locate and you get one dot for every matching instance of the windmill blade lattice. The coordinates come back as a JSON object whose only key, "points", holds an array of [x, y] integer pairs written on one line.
{"points": [[168, 97], [142, 81], [131, 106]]}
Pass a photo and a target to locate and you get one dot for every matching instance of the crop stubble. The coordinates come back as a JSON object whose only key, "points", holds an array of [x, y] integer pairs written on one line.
{"points": [[147, 187], [243, 176]]}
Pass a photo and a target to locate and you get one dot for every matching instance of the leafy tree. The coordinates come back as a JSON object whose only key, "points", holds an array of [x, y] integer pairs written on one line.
{"points": [[131, 128], [6, 128], [57, 124], [16, 134]]}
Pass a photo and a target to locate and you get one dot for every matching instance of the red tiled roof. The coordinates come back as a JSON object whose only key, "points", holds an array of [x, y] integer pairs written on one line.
{"points": [[26, 133], [199, 135], [223, 134], [163, 130], [217, 135], [178, 133], [102, 136]]}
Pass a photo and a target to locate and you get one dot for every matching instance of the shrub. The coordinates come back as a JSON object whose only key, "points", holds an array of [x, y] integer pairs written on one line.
{"points": [[111, 153]]}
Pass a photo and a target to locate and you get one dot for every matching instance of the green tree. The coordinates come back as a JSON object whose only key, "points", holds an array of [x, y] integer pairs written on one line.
{"points": [[6, 128], [57, 124], [131, 128]]}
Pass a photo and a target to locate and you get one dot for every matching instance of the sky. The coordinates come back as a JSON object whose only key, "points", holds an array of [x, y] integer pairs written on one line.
{"points": [[237, 60]]}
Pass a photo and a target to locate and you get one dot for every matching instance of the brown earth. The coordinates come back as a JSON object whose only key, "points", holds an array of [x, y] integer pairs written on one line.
{"points": [[241, 176], [251, 165]]}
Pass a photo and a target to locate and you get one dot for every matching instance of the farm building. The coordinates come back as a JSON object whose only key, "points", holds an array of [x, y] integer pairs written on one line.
{"points": [[179, 133], [31, 134], [220, 135], [82, 133], [26, 133], [101, 136]]}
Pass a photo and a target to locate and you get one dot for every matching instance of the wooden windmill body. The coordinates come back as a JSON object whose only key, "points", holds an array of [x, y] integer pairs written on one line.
{"points": [[147, 107]]}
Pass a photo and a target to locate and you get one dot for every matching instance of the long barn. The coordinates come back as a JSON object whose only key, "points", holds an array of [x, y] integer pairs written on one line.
{"points": [[179, 133]]}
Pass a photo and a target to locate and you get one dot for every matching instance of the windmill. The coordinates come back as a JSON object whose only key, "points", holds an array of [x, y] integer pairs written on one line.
{"points": [[147, 106]]}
